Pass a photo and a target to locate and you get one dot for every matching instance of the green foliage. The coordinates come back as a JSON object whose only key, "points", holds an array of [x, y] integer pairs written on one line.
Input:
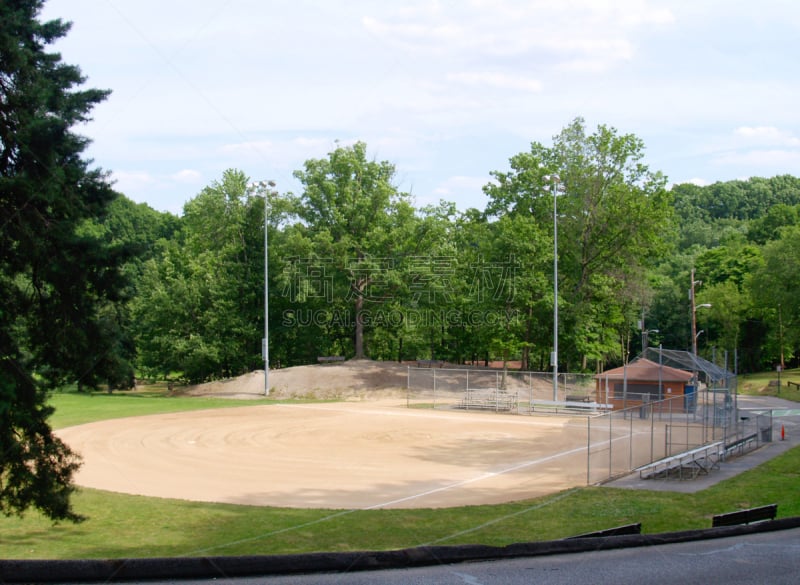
{"points": [[738, 200], [359, 223], [59, 278], [200, 302], [614, 219]]}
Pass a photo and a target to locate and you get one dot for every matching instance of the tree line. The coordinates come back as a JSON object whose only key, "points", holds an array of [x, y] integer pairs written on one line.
{"points": [[357, 270]]}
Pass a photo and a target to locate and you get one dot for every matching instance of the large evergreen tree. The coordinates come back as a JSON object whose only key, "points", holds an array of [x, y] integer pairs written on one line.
{"points": [[57, 276]]}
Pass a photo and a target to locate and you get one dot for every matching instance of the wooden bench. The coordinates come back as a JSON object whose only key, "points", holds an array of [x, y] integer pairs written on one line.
{"points": [[556, 406], [488, 399], [740, 444], [789, 384], [746, 516], [696, 461], [326, 359]]}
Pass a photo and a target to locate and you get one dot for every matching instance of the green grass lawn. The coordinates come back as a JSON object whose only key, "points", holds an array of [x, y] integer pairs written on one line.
{"points": [[759, 384], [132, 526], [73, 408]]}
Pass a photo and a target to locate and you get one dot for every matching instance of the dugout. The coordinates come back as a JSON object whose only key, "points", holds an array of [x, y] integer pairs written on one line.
{"points": [[642, 382]]}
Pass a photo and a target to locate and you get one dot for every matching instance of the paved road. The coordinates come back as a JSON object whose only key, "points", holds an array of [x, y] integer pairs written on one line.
{"points": [[771, 557]]}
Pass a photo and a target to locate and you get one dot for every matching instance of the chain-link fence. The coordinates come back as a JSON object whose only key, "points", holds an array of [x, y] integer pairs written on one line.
{"points": [[617, 441], [500, 390]]}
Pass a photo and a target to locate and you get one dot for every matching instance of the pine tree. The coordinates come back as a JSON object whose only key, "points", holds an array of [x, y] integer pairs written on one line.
{"points": [[58, 278]]}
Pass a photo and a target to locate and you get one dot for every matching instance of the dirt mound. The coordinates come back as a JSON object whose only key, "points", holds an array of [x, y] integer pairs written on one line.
{"points": [[350, 380]]}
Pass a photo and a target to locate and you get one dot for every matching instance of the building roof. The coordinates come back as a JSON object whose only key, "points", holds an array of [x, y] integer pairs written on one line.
{"points": [[684, 360], [643, 370]]}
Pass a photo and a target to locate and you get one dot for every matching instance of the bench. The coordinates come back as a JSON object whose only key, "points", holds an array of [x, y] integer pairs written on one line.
{"points": [[746, 516], [696, 461], [326, 359], [556, 406], [577, 398], [740, 444], [789, 384], [489, 399], [430, 363]]}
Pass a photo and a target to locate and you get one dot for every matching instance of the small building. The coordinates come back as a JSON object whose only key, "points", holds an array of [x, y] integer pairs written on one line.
{"points": [[643, 381]]}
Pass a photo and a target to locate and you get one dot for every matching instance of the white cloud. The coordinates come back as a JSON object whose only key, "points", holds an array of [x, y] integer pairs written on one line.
{"points": [[458, 188], [499, 80], [767, 135], [279, 156], [188, 176], [415, 31], [768, 158], [576, 35], [131, 180]]}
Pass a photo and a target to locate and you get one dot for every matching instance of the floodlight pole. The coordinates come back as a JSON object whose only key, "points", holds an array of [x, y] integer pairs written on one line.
{"points": [[694, 312], [694, 326], [265, 342], [554, 181]]}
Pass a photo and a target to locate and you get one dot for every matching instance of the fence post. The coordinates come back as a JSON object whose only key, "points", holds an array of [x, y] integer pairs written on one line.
{"points": [[434, 388], [630, 445], [610, 443], [530, 393], [589, 450], [653, 430]]}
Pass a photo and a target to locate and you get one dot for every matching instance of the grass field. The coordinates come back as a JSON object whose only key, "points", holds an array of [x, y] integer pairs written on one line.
{"points": [[132, 526], [759, 384]]}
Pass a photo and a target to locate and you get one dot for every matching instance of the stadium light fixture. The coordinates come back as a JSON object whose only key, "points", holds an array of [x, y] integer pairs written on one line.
{"points": [[646, 337], [554, 181]]}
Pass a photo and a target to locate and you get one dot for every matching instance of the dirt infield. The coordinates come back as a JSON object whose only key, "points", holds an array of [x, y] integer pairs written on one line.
{"points": [[356, 454], [336, 455]]}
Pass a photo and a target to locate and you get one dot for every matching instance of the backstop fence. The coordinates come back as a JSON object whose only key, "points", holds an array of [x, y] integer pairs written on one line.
{"points": [[466, 387], [618, 441]]}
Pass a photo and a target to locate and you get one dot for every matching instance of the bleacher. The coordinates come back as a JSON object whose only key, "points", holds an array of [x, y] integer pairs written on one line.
{"points": [[690, 463], [569, 406], [489, 399]]}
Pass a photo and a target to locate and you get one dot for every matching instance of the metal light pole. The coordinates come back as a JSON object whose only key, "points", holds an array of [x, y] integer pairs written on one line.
{"points": [[266, 186], [554, 181], [694, 312], [646, 338]]}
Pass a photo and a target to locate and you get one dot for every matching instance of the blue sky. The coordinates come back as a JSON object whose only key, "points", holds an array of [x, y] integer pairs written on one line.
{"points": [[448, 91]]}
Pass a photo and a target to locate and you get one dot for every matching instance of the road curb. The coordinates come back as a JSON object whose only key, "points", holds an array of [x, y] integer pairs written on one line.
{"points": [[121, 570]]}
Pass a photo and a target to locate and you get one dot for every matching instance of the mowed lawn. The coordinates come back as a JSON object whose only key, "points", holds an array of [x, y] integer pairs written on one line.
{"points": [[119, 526]]}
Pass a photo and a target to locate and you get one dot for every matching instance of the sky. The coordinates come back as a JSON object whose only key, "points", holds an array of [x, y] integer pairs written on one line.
{"points": [[447, 91]]}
